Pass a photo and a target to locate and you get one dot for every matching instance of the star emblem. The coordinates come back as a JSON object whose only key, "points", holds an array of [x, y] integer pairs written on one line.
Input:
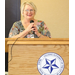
{"points": [[50, 65]]}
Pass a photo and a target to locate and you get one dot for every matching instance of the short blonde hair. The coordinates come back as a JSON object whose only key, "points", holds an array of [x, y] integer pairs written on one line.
{"points": [[28, 3]]}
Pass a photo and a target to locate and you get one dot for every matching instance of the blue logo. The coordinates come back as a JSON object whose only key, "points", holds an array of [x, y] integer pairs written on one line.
{"points": [[50, 64]]}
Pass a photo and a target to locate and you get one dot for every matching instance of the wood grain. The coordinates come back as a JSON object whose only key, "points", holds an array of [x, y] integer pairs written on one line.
{"points": [[6, 46], [38, 39], [35, 41], [26, 53], [25, 57]]}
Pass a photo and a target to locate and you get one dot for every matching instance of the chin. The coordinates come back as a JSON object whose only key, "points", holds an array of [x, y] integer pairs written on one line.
{"points": [[30, 17]]}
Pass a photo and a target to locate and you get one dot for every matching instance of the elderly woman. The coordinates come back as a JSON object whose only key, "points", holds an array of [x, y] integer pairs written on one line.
{"points": [[27, 29]]}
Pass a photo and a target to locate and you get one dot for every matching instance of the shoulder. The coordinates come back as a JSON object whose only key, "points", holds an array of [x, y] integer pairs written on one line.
{"points": [[40, 22], [18, 22]]}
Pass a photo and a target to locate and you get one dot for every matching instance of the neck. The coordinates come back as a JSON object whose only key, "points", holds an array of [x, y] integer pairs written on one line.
{"points": [[27, 20]]}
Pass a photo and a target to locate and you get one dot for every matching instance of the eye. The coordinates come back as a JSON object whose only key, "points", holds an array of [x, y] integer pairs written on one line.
{"points": [[26, 10], [31, 10]]}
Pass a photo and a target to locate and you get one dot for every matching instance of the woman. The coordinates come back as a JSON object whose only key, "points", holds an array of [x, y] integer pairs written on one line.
{"points": [[25, 29]]}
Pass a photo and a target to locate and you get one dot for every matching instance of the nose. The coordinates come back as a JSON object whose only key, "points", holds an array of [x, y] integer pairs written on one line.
{"points": [[29, 11]]}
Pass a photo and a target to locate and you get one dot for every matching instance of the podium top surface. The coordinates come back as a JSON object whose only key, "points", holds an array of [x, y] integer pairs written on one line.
{"points": [[37, 40], [9, 39]]}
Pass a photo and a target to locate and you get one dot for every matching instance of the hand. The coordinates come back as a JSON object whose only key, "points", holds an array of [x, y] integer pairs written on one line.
{"points": [[35, 30], [30, 27]]}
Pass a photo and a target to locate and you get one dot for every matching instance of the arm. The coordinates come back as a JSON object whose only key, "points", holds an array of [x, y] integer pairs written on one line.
{"points": [[43, 31], [21, 35], [15, 31], [41, 36]]}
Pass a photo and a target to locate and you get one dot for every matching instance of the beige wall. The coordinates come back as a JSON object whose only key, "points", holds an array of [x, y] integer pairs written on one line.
{"points": [[55, 13]]}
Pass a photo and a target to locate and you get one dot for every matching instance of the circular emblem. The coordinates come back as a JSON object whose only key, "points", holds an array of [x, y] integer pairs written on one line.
{"points": [[50, 64]]}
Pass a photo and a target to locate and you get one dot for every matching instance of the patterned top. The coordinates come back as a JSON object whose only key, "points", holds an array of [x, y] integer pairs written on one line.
{"points": [[18, 27]]}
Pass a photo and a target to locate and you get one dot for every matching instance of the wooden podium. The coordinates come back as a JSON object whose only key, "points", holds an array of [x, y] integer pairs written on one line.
{"points": [[26, 53]]}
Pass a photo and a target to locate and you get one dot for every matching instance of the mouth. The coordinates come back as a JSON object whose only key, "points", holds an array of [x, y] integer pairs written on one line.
{"points": [[29, 15]]}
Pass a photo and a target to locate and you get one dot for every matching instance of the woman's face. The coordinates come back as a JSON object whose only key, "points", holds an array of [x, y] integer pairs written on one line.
{"points": [[29, 12]]}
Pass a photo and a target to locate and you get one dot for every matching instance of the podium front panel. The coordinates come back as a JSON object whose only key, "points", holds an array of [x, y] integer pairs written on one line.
{"points": [[25, 57]]}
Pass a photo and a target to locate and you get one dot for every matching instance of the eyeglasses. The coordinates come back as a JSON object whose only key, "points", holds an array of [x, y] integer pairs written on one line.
{"points": [[31, 10]]}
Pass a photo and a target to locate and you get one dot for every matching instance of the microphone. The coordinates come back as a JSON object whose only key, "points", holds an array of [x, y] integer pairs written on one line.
{"points": [[31, 21]]}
